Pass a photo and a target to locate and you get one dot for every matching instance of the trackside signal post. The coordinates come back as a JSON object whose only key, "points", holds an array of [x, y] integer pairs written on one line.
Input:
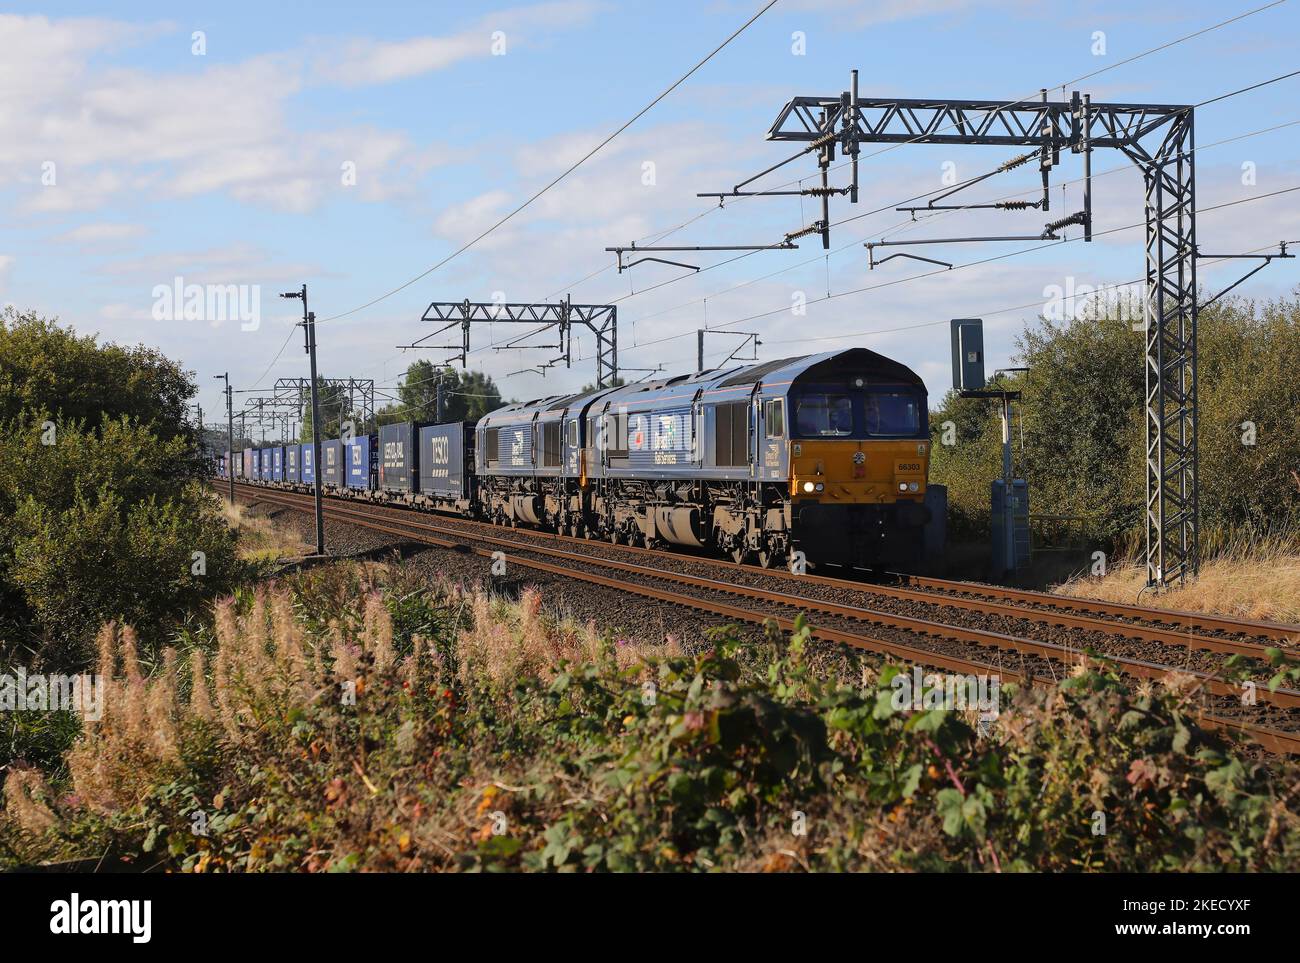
{"points": [[230, 434], [309, 337], [1009, 496]]}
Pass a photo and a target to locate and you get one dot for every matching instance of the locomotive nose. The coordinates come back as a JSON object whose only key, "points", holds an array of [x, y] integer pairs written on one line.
{"points": [[858, 472]]}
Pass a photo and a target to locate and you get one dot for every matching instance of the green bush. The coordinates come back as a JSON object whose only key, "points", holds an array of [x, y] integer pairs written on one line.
{"points": [[100, 492], [47, 367], [103, 560]]}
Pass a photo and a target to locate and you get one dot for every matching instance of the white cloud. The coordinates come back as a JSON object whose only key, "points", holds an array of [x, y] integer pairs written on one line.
{"points": [[102, 233], [367, 61], [238, 263], [605, 201], [76, 136], [858, 15]]}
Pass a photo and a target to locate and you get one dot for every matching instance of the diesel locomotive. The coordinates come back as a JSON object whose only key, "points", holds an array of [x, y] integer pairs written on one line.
{"points": [[822, 458]]}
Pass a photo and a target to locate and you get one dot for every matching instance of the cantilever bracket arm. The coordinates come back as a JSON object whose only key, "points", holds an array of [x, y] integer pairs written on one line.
{"points": [[660, 260], [872, 263], [959, 240], [633, 249], [1009, 165], [1049, 234], [806, 192], [1264, 261]]}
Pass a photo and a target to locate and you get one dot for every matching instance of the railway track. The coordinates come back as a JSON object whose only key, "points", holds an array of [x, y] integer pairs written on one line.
{"points": [[1205, 622], [940, 644]]}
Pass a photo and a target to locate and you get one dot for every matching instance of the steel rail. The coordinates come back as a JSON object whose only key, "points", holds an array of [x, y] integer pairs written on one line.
{"points": [[1059, 611], [1279, 631]]}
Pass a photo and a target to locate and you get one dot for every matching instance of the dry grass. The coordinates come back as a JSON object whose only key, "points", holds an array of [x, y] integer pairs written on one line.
{"points": [[260, 539], [510, 639], [263, 666], [1252, 581]]}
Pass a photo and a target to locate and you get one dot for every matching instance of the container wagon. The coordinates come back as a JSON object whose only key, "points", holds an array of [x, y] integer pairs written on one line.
{"points": [[445, 457]]}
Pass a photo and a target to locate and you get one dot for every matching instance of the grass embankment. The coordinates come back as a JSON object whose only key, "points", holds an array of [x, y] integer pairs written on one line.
{"points": [[261, 541], [1256, 580], [353, 719]]}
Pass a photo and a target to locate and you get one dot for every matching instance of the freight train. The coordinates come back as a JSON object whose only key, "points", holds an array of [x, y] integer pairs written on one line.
{"points": [[822, 458]]}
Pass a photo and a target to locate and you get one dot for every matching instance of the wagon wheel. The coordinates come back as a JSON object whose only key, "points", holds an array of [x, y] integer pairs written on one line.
{"points": [[768, 557], [740, 552], [613, 536]]}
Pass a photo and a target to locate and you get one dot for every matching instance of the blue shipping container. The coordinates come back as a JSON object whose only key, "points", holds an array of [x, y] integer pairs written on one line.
{"points": [[442, 460], [331, 457], [398, 457], [307, 455], [358, 455], [277, 463]]}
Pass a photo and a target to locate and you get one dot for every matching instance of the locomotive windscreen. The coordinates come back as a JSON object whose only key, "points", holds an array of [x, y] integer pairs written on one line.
{"points": [[847, 411]]}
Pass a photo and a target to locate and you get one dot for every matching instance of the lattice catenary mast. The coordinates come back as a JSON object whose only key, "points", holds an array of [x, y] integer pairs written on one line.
{"points": [[1158, 138]]}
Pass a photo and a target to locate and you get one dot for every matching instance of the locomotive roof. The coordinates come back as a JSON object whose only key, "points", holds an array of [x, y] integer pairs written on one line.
{"points": [[829, 364]]}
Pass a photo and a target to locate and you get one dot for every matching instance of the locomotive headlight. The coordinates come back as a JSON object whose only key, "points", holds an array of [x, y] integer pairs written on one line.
{"points": [[902, 486], [820, 486], [913, 487], [808, 487]]}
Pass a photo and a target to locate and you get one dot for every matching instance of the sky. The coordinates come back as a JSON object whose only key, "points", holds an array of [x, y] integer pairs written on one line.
{"points": [[351, 147]]}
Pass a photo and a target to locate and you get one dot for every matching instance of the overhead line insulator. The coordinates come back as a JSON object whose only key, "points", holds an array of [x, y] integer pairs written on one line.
{"points": [[816, 227], [1018, 161], [822, 141], [1078, 217]]}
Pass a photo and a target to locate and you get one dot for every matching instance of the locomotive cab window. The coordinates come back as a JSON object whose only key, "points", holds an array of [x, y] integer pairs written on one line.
{"points": [[573, 433], [490, 449], [774, 417], [892, 413], [824, 414], [857, 411]]}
